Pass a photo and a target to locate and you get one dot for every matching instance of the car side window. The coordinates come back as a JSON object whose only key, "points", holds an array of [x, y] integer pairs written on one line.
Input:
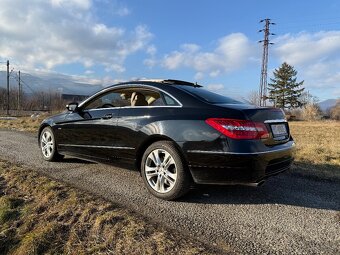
{"points": [[148, 97], [154, 98], [142, 97], [169, 100], [130, 97], [108, 100]]}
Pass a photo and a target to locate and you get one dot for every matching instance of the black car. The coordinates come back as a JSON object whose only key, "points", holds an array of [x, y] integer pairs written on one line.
{"points": [[175, 133]]}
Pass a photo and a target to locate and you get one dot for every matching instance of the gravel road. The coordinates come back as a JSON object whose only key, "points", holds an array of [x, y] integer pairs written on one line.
{"points": [[290, 214]]}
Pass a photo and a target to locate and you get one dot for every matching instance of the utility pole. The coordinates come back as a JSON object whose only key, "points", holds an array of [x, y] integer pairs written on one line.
{"points": [[7, 109], [19, 92], [266, 42], [50, 100]]}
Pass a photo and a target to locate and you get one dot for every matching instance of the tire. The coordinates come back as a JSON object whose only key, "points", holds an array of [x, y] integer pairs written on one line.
{"points": [[164, 171], [48, 145]]}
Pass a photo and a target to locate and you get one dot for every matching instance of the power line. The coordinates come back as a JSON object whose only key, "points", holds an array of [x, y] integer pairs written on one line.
{"points": [[266, 42], [17, 77], [23, 82]]}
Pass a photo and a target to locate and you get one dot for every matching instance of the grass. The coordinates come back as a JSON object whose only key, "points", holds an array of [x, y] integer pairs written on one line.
{"points": [[27, 124], [317, 148], [42, 216]]}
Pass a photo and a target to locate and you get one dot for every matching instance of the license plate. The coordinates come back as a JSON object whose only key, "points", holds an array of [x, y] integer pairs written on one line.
{"points": [[279, 129]]}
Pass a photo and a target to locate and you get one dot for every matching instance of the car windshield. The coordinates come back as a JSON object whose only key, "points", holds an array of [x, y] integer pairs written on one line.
{"points": [[209, 96]]}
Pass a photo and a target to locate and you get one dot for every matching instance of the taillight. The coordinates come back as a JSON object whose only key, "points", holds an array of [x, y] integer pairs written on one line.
{"points": [[239, 129]]}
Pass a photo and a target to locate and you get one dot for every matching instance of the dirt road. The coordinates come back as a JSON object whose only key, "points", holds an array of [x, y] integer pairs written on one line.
{"points": [[290, 214]]}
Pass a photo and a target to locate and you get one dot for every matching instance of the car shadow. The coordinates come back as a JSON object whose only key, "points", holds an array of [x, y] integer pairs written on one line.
{"points": [[294, 187], [288, 188], [75, 160]]}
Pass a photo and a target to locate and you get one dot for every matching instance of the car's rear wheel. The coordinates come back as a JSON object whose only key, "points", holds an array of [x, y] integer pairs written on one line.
{"points": [[164, 172], [48, 145]]}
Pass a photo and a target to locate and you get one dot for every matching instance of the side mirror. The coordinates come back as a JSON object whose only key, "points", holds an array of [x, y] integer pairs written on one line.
{"points": [[72, 107]]}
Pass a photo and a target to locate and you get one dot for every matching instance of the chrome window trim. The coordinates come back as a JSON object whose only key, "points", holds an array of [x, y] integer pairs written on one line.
{"points": [[275, 121], [150, 106], [238, 153], [132, 107], [96, 146], [137, 85]]}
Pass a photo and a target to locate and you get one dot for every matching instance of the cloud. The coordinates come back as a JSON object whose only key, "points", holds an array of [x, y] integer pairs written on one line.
{"points": [[123, 11], [56, 32], [231, 53], [215, 87], [304, 48], [82, 4], [89, 72], [151, 50], [151, 61], [199, 76], [316, 57]]}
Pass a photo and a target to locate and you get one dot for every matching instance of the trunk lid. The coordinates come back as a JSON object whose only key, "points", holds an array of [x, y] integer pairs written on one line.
{"points": [[275, 122], [273, 118]]}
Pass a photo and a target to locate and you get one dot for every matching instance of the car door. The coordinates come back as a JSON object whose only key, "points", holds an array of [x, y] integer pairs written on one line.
{"points": [[133, 120], [90, 131]]}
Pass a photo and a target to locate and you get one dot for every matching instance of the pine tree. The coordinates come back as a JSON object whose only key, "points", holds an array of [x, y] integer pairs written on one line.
{"points": [[284, 91]]}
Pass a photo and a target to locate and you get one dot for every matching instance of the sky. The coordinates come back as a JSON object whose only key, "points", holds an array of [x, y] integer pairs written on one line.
{"points": [[214, 43]]}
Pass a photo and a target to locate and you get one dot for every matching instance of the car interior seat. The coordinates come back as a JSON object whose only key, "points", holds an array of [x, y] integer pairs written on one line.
{"points": [[138, 99]]}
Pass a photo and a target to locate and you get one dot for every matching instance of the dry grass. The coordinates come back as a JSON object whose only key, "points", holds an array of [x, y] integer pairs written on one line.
{"points": [[27, 124], [42, 216], [318, 148]]}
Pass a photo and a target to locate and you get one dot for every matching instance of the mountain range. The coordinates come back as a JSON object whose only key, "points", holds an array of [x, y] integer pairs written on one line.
{"points": [[67, 84], [52, 82], [327, 104]]}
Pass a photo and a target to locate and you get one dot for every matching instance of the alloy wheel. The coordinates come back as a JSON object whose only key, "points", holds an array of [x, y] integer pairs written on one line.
{"points": [[47, 143], [160, 170]]}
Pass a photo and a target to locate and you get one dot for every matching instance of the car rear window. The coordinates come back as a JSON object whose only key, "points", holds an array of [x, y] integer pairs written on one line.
{"points": [[209, 96]]}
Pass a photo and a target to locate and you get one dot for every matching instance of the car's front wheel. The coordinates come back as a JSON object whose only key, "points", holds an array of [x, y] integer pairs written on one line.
{"points": [[48, 145], [164, 171]]}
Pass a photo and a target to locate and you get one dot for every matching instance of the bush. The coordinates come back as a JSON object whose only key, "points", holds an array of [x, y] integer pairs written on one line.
{"points": [[335, 111], [311, 112]]}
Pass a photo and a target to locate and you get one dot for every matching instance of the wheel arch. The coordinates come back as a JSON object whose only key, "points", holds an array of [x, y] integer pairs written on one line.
{"points": [[152, 139], [41, 128]]}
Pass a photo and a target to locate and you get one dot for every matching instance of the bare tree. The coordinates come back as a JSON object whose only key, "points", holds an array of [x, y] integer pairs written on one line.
{"points": [[2, 99], [254, 97], [51, 101]]}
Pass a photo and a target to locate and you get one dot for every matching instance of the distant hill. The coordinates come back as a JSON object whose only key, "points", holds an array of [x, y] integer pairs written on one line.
{"points": [[66, 84], [326, 104], [49, 82]]}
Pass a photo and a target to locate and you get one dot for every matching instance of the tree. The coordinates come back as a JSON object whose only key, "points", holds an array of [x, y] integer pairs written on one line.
{"points": [[284, 91], [254, 97], [307, 98]]}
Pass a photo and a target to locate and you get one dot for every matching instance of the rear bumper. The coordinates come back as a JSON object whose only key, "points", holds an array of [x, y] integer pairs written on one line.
{"points": [[216, 167]]}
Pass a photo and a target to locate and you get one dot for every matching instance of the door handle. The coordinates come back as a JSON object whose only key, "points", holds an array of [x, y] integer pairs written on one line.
{"points": [[107, 116]]}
